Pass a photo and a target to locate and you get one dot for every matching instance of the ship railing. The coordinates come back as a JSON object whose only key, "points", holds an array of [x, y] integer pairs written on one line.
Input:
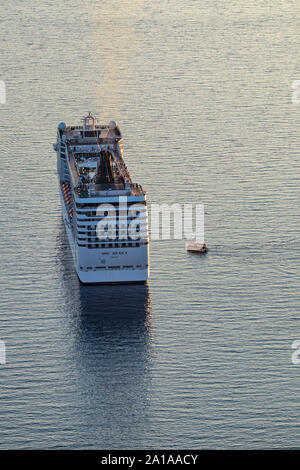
{"points": [[85, 190], [136, 189]]}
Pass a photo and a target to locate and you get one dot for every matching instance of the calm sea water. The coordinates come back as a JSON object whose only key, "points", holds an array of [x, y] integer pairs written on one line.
{"points": [[200, 357]]}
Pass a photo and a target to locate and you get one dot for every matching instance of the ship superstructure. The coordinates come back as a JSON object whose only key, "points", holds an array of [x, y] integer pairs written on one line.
{"points": [[104, 212]]}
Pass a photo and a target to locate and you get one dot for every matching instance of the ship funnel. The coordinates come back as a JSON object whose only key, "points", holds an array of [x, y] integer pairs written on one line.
{"points": [[104, 172]]}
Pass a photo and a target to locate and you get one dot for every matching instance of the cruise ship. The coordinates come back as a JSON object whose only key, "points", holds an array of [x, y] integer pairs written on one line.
{"points": [[104, 212]]}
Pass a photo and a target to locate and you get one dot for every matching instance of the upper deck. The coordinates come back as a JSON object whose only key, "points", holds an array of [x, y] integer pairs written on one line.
{"points": [[95, 160], [91, 132]]}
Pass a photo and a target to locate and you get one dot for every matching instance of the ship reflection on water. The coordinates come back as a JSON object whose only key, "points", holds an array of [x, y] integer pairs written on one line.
{"points": [[114, 318], [109, 334]]}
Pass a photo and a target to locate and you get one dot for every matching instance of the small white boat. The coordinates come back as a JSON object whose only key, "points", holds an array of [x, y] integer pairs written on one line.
{"points": [[196, 247]]}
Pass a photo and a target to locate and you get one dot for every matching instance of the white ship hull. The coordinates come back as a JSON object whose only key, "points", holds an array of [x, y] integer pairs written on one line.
{"points": [[94, 271]]}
